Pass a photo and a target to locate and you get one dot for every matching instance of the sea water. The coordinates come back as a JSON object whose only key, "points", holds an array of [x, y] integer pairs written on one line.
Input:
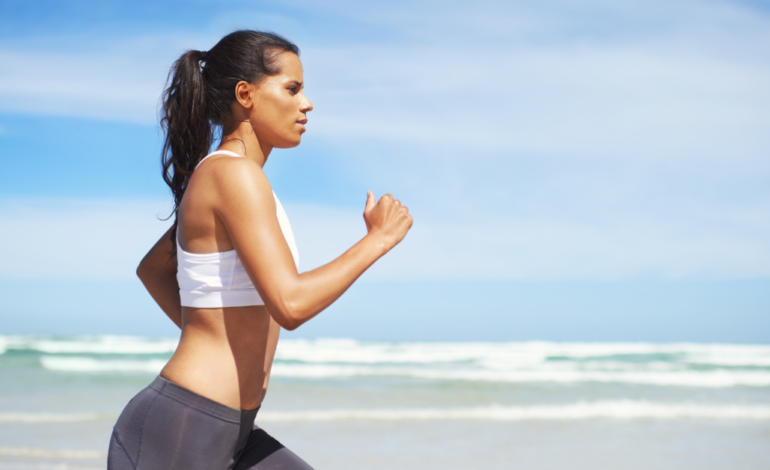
{"points": [[344, 404]]}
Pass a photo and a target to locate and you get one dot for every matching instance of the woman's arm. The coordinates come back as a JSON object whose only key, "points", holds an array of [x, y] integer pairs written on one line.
{"points": [[244, 202], [157, 271]]}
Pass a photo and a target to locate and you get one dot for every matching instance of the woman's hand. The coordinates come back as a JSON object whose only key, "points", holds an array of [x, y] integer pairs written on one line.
{"points": [[386, 219]]}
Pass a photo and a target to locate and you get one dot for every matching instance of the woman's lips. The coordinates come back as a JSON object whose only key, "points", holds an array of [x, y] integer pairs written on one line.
{"points": [[302, 123]]}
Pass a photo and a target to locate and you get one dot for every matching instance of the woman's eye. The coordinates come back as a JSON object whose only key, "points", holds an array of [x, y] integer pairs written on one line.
{"points": [[293, 90]]}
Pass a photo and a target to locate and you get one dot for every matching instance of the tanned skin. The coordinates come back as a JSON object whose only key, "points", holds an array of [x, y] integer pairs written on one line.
{"points": [[226, 354]]}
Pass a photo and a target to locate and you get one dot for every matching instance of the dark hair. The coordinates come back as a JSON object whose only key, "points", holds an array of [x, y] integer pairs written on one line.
{"points": [[199, 91]]}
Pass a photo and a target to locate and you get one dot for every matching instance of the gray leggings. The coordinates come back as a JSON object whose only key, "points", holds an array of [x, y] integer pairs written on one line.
{"points": [[167, 427]]}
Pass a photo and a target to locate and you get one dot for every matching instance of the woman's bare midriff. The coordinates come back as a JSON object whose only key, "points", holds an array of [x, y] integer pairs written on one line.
{"points": [[225, 354]]}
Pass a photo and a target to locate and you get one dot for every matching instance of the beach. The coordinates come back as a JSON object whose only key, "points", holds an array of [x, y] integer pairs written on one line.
{"points": [[348, 404]]}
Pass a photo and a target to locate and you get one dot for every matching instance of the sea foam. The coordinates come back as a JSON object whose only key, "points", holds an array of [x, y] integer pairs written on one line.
{"points": [[679, 365], [692, 378], [91, 365], [89, 345], [612, 410], [708, 379], [501, 355], [616, 410], [51, 453], [37, 418]]}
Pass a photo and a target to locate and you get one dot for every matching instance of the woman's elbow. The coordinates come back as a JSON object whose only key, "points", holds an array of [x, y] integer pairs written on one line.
{"points": [[290, 325], [286, 322], [151, 269], [288, 316]]}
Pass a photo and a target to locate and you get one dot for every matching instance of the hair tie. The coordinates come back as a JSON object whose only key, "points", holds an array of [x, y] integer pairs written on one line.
{"points": [[204, 55]]}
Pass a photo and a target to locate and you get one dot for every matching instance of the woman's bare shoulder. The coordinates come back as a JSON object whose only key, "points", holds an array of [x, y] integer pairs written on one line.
{"points": [[236, 180]]}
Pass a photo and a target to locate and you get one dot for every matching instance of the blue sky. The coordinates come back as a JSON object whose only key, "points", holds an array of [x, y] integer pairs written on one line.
{"points": [[580, 170]]}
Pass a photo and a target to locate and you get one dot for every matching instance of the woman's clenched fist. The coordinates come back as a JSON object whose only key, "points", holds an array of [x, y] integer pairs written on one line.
{"points": [[387, 218]]}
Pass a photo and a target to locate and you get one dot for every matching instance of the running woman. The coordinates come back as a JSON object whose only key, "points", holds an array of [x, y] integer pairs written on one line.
{"points": [[226, 271]]}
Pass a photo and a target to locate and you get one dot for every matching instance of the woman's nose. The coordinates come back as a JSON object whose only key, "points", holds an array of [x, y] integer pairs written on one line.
{"points": [[306, 105]]}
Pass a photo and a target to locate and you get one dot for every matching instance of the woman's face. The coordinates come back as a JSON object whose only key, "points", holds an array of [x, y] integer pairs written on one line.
{"points": [[279, 113]]}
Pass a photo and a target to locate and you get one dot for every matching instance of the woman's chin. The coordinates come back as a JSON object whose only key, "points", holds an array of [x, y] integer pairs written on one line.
{"points": [[289, 143]]}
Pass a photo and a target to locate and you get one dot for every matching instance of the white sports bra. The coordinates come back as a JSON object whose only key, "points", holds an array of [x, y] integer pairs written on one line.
{"points": [[216, 280]]}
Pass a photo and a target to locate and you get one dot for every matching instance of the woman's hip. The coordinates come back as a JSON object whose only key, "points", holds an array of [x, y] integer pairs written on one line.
{"points": [[166, 426]]}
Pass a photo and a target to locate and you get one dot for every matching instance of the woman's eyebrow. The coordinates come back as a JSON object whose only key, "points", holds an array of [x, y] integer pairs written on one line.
{"points": [[297, 82]]}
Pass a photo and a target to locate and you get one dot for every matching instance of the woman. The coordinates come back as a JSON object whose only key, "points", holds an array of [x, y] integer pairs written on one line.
{"points": [[226, 271]]}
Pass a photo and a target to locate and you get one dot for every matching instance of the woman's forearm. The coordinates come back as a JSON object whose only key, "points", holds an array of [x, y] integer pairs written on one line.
{"points": [[157, 271], [164, 289], [313, 291]]}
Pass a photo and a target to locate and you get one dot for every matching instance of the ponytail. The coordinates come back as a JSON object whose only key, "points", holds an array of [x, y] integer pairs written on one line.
{"points": [[200, 89], [186, 124]]}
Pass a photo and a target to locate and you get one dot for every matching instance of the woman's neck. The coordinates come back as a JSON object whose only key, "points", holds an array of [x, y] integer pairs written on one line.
{"points": [[243, 141]]}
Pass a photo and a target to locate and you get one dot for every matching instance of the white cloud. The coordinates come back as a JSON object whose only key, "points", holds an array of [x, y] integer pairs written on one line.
{"points": [[94, 85], [98, 240], [111, 79], [654, 80], [555, 140], [600, 100], [720, 245], [77, 238]]}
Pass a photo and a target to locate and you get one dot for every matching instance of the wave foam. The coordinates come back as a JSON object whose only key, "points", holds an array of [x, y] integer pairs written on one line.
{"points": [[617, 410], [35, 418], [568, 375], [89, 345], [709, 379], [51, 453], [512, 354], [87, 364], [682, 365]]}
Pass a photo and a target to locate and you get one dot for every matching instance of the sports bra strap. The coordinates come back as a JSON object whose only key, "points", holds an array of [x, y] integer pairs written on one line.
{"points": [[224, 152]]}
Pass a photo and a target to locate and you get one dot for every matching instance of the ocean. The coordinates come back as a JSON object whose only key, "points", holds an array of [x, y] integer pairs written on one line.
{"points": [[345, 404]]}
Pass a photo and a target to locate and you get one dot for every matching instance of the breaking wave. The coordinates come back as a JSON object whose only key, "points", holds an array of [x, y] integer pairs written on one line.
{"points": [[88, 345], [680, 365], [619, 410], [88, 364], [51, 453], [36, 418]]}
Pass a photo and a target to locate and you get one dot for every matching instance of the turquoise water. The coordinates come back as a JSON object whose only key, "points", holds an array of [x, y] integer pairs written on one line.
{"points": [[346, 404]]}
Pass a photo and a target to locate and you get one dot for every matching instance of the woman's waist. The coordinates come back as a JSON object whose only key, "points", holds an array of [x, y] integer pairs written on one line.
{"points": [[232, 378], [225, 354]]}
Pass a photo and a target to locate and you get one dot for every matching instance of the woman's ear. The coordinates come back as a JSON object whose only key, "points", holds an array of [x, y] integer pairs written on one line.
{"points": [[243, 94]]}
